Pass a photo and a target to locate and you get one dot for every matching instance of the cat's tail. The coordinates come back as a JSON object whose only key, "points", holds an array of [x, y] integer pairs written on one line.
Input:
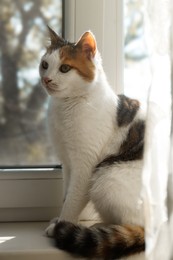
{"points": [[111, 242]]}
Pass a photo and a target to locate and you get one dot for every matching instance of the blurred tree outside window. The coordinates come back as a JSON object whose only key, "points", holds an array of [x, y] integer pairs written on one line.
{"points": [[23, 102], [137, 67]]}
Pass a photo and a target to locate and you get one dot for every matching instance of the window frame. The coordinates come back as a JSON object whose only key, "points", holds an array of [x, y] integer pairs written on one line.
{"points": [[35, 194]]}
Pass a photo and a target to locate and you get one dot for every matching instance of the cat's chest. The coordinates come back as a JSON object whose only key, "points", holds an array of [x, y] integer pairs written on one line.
{"points": [[80, 129], [79, 124]]}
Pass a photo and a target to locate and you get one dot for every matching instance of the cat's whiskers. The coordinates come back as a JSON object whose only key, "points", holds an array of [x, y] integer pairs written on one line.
{"points": [[51, 86]]}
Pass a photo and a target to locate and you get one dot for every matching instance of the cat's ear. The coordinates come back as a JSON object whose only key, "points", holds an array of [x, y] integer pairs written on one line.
{"points": [[56, 40], [88, 44]]}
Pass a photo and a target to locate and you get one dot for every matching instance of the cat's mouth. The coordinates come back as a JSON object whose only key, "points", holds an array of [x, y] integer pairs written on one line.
{"points": [[50, 87]]}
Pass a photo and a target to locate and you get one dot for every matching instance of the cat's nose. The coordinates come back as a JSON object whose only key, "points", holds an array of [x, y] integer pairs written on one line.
{"points": [[47, 80]]}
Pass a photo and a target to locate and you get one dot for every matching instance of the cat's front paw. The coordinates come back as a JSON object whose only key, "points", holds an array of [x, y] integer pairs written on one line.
{"points": [[49, 231]]}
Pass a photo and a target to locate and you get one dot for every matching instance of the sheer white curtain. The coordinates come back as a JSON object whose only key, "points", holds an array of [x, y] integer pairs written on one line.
{"points": [[158, 169]]}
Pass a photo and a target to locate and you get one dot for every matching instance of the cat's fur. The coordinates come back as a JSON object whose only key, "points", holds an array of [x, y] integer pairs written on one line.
{"points": [[99, 139]]}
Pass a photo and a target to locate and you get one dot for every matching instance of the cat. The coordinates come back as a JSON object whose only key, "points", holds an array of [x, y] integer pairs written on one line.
{"points": [[99, 139]]}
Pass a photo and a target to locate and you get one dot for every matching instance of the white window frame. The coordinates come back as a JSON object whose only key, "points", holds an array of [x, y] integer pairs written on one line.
{"points": [[36, 194]]}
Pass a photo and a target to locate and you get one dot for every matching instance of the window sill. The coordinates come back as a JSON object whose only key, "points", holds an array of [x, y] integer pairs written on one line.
{"points": [[26, 241]]}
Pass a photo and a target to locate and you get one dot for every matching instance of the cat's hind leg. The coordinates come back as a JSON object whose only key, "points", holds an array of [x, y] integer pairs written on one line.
{"points": [[115, 192]]}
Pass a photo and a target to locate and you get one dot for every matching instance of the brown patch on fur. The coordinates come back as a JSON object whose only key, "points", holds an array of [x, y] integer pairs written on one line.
{"points": [[73, 56], [123, 241], [130, 240], [131, 149], [78, 56], [127, 110]]}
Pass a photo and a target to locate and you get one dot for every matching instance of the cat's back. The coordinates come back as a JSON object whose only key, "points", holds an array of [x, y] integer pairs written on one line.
{"points": [[121, 168]]}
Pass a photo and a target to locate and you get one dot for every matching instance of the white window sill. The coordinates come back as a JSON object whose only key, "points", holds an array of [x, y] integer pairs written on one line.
{"points": [[26, 241]]}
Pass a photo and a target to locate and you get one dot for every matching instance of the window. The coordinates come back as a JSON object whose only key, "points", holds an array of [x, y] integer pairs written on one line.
{"points": [[137, 64], [23, 103], [36, 193]]}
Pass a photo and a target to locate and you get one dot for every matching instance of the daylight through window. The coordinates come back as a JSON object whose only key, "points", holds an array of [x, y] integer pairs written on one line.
{"points": [[23, 102], [137, 67]]}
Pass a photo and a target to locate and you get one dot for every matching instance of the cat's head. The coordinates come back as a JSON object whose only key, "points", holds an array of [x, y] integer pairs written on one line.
{"points": [[69, 69]]}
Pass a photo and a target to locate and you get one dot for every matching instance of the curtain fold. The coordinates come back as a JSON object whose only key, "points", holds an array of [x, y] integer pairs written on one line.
{"points": [[158, 159]]}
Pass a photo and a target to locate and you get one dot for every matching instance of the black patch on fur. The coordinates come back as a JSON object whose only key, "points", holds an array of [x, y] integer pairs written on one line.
{"points": [[127, 109], [88, 244], [131, 149], [54, 47], [66, 237]]}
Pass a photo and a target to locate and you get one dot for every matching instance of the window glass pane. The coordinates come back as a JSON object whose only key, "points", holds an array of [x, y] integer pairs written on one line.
{"points": [[137, 70], [23, 102]]}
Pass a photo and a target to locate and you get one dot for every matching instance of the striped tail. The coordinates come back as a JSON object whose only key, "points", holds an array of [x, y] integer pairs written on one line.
{"points": [[112, 242]]}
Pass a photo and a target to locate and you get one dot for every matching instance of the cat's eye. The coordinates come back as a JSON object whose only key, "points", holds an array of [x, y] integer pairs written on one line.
{"points": [[45, 65], [64, 68]]}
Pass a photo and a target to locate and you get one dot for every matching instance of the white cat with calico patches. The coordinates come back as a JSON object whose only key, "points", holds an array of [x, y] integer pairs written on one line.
{"points": [[99, 139]]}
